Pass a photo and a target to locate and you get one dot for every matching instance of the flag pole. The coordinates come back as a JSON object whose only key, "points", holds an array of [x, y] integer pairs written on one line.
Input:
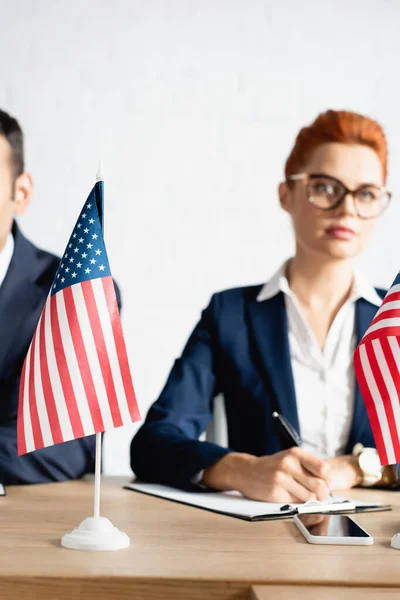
{"points": [[97, 466], [97, 477]]}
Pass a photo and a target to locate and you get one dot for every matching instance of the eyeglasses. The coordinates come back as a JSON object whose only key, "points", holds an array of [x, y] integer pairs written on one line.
{"points": [[326, 193]]}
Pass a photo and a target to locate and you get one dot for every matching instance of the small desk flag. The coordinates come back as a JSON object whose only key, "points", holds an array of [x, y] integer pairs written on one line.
{"points": [[377, 367], [76, 379]]}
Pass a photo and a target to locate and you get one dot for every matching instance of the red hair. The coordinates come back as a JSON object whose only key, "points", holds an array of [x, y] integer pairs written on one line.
{"points": [[337, 126]]}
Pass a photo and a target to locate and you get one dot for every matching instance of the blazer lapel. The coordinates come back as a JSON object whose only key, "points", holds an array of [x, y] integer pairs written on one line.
{"points": [[18, 296], [269, 332], [365, 312]]}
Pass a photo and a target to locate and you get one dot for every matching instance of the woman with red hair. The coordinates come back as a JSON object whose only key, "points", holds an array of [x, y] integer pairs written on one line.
{"points": [[286, 347]]}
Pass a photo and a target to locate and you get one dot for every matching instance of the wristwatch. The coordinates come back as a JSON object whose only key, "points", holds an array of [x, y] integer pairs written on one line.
{"points": [[371, 469], [369, 464]]}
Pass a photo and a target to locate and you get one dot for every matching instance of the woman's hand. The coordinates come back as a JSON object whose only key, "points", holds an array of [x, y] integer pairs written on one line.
{"points": [[344, 472], [293, 475]]}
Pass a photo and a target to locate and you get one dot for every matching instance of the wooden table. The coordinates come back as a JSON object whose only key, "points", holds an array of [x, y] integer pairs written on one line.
{"points": [[181, 552]]}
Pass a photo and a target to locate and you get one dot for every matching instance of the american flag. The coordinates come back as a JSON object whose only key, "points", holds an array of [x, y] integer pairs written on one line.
{"points": [[76, 379], [377, 367]]}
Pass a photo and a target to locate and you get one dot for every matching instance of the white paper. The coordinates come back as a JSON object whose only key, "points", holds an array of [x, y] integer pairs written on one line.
{"points": [[233, 503]]}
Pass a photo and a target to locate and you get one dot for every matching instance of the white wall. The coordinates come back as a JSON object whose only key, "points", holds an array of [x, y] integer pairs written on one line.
{"points": [[194, 107]]}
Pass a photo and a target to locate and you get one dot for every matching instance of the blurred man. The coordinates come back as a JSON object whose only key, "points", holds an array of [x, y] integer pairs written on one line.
{"points": [[26, 274]]}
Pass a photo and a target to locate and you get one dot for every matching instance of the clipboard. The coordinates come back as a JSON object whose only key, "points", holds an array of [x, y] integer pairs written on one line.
{"points": [[233, 504]]}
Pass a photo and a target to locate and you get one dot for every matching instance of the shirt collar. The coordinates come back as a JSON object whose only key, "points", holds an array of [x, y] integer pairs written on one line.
{"points": [[279, 283], [6, 256]]}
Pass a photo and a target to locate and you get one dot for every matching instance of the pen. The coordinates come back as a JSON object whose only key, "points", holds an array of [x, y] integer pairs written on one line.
{"points": [[290, 435], [287, 430]]}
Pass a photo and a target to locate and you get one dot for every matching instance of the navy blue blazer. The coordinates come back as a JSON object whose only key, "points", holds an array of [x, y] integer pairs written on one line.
{"points": [[239, 348], [22, 297]]}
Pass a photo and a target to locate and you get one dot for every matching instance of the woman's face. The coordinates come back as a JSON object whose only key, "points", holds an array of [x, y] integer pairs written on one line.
{"points": [[337, 233]]}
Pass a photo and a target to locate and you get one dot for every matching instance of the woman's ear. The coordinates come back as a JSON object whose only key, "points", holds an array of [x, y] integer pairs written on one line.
{"points": [[285, 197], [23, 188]]}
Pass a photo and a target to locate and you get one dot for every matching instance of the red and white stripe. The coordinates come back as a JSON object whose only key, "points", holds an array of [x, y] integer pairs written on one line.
{"points": [[76, 379], [377, 367]]}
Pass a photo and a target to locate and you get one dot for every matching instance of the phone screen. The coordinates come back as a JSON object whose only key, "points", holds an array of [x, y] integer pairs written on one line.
{"points": [[332, 526]]}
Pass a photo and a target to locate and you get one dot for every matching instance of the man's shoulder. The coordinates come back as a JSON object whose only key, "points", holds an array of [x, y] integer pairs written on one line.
{"points": [[381, 292], [40, 263], [46, 257], [43, 257]]}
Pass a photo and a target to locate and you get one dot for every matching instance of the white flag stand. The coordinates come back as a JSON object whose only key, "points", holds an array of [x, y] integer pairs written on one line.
{"points": [[96, 533]]}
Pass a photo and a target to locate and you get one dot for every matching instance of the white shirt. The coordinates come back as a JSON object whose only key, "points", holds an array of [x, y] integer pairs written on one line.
{"points": [[6, 256], [324, 379]]}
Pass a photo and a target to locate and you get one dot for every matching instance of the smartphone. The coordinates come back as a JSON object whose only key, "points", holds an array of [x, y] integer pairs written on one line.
{"points": [[332, 529]]}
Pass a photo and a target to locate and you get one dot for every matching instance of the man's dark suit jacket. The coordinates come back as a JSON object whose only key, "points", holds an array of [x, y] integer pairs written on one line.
{"points": [[239, 348], [22, 297]]}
